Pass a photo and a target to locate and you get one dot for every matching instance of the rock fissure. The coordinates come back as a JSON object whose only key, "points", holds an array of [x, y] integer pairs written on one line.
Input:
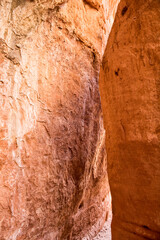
{"points": [[139, 230], [93, 3]]}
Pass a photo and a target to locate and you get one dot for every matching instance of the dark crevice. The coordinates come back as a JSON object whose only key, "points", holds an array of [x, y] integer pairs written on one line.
{"points": [[124, 10], [92, 4], [81, 205], [145, 227], [117, 72]]}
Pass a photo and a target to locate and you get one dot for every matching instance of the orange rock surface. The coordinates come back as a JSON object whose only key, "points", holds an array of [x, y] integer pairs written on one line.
{"points": [[53, 174], [130, 92]]}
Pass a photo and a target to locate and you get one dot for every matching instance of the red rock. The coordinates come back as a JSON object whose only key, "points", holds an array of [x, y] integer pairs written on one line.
{"points": [[53, 174], [130, 90]]}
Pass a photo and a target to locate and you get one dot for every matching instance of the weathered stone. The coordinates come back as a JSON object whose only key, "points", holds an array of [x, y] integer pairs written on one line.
{"points": [[130, 92], [53, 174], [94, 3]]}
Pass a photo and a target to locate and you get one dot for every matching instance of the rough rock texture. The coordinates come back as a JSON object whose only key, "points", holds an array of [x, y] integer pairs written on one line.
{"points": [[105, 233], [53, 179], [130, 91]]}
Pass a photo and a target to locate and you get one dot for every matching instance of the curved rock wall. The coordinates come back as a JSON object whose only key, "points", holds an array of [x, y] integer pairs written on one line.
{"points": [[53, 174], [130, 92]]}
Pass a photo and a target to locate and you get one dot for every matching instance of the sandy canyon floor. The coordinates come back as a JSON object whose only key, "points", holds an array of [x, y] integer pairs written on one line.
{"points": [[105, 233]]}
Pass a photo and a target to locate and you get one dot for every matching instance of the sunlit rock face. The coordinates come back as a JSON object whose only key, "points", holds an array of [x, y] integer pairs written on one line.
{"points": [[130, 91], [53, 173]]}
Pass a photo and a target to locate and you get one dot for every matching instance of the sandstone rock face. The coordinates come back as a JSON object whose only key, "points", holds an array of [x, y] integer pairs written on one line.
{"points": [[53, 181], [130, 92]]}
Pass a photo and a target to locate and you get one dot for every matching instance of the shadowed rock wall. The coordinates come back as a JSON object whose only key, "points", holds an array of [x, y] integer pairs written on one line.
{"points": [[53, 174], [130, 92]]}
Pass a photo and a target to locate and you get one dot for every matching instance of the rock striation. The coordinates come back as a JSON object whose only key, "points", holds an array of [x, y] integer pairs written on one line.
{"points": [[53, 173], [130, 93]]}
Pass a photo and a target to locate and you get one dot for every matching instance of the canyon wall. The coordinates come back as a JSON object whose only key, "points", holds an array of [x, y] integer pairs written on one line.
{"points": [[53, 173], [130, 93]]}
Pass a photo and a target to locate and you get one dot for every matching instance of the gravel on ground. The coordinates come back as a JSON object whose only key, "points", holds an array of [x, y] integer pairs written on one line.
{"points": [[105, 233]]}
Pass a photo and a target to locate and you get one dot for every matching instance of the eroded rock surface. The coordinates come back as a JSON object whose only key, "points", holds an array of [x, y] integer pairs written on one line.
{"points": [[130, 91], [53, 177]]}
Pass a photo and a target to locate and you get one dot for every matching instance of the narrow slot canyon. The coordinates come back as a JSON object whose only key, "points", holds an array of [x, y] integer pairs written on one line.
{"points": [[79, 119]]}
